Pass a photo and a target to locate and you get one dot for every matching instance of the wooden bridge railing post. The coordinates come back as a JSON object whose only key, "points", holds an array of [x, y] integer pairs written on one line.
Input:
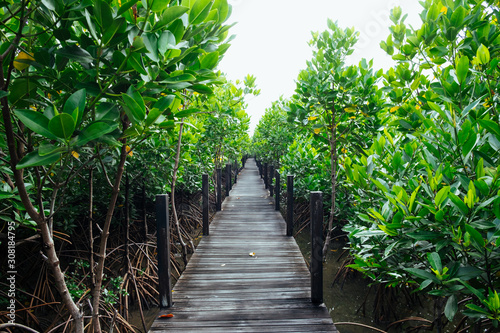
{"points": [[218, 205], [316, 203], [205, 203], [289, 205], [228, 179], [163, 246], [271, 176], [265, 176], [277, 191], [236, 170], [260, 168]]}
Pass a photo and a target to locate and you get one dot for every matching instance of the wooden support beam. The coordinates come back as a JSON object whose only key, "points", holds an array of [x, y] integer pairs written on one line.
{"points": [[316, 202], [289, 205], [265, 176], [236, 170], [205, 203], [277, 191], [163, 247], [271, 176], [228, 179]]}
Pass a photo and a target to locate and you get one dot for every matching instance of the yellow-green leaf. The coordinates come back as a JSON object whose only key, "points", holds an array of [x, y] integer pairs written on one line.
{"points": [[412, 199], [441, 196], [462, 68], [199, 11], [483, 54], [388, 231]]}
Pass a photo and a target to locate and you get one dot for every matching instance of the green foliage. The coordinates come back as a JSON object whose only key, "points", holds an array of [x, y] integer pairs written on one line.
{"points": [[333, 99], [211, 134], [86, 77], [311, 167], [224, 122], [78, 289], [273, 134], [418, 159], [428, 187], [85, 85], [337, 104]]}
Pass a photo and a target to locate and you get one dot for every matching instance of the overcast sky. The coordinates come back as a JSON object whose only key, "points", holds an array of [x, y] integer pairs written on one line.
{"points": [[272, 35]]}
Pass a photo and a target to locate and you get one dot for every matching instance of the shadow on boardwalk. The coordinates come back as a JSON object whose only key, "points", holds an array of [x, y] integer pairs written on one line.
{"points": [[247, 276]]}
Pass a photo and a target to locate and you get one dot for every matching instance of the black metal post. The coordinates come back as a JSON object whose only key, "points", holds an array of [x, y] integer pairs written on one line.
{"points": [[205, 203], [219, 190], [277, 191], [265, 176], [289, 205], [228, 179], [316, 202], [163, 246]]}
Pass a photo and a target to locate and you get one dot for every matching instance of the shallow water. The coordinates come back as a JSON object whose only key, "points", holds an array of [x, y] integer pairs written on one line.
{"points": [[345, 298], [342, 302], [149, 317]]}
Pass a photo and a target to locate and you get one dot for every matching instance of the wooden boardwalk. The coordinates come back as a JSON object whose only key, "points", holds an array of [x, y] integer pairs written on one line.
{"points": [[247, 276]]}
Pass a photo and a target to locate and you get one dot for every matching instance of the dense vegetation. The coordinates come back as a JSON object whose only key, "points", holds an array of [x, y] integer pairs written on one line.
{"points": [[409, 158], [104, 105]]}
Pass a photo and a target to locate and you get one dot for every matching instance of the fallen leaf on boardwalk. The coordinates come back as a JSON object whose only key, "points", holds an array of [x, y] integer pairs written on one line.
{"points": [[166, 316], [252, 254], [223, 265]]}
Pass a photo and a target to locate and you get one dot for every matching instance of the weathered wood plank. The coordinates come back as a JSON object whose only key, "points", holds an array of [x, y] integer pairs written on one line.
{"points": [[291, 325], [247, 276]]}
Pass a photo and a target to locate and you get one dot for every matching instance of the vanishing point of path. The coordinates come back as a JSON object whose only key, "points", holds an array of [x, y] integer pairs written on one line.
{"points": [[247, 276]]}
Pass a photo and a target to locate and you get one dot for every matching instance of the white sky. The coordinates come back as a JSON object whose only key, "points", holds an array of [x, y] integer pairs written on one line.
{"points": [[272, 35]]}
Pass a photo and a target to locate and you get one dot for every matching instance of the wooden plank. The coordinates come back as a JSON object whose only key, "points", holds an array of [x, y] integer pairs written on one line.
{"points": [[245, 315], [290, 325], [225, 289]]}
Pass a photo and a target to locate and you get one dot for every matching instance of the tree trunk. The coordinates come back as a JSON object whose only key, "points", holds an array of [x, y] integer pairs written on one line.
{"points": [[48, 242], [126, 261], [91, 226], [333, 178], [101, 256], [127, 224], [172, 196]]}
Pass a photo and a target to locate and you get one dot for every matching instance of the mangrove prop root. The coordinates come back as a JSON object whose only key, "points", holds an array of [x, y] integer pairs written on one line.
{"points": [[360, 325]]}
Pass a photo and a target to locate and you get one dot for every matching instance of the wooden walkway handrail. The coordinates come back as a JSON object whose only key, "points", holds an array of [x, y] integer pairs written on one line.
{"points": [[248, 275]]}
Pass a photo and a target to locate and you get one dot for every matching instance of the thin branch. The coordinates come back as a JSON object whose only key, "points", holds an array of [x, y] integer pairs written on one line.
{"points": [[104, 169], [361, 325], [26, 328]]}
